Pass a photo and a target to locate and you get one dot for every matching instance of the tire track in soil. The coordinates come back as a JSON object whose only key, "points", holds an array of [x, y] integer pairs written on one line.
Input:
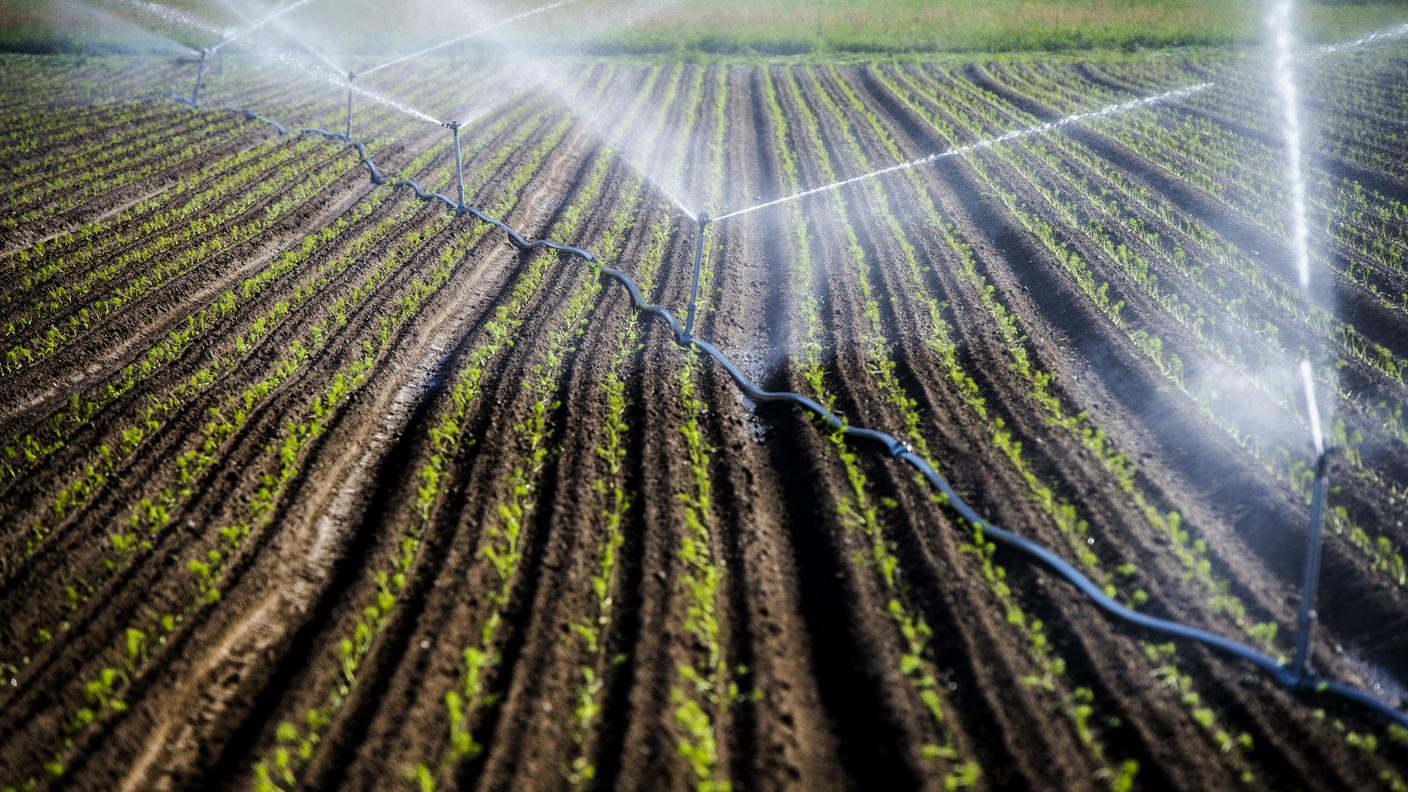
{"points": [[246, 574], [1136, 389], [102, 508], [89, 384]]}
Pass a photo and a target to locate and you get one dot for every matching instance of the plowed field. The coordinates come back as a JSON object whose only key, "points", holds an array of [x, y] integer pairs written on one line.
{"points": [[307, 483]]}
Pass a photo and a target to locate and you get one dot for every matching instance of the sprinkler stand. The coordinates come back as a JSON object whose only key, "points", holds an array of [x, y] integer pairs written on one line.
{"points": [[350, 77], [454, 127], [1310, 580], [698, 268], [200, 72]]}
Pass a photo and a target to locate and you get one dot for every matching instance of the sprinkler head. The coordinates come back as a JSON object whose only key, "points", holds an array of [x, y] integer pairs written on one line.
{"points": [[351, 76], [450, 124], [703, 219]]}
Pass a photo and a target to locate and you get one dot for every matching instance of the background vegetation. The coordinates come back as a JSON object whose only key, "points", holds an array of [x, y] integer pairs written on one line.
{"points": [[735, 26]]}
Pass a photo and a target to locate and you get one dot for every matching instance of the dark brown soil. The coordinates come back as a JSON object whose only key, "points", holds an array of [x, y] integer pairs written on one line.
{"points": [[744, 632]]}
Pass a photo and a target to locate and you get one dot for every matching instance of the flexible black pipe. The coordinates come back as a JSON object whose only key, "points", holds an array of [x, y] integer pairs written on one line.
{"points": [[1296, 679]]}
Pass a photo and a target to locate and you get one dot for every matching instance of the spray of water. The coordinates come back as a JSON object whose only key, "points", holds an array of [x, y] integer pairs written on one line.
{"points": [[338, 79], [1378, 37], [1279, 19], [1312, 407], [1035, 129], [266, 19], [173, 16], [472, 34], [1278, 22], [91, 24], [534, 72]]}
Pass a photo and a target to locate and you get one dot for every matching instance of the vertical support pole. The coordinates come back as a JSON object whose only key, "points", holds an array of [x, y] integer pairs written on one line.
{"points": [[698, 268], [1310, 579], [200, 72], [348, 133], [454, 127]]}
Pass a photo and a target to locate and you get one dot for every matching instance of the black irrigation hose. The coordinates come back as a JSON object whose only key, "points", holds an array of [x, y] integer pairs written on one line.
{"points": [[1293, 679]]}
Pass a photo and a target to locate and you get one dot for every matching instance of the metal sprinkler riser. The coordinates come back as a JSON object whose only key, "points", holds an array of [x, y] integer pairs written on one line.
{"points": [[698, 268], [200, 72], [1310, 579], [350, 77], [454, 127]]}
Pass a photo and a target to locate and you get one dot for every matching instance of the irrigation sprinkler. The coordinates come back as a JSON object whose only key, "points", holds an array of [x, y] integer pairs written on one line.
{"points": [[1310, 580], [200, 72], [454, 127], [698, 267], [350, 77]]}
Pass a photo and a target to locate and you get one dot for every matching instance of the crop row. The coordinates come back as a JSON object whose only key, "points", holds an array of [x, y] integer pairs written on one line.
{"points": [[287, 453], [22, 452], [152, 513], [296, 742], [1096, 292]]}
